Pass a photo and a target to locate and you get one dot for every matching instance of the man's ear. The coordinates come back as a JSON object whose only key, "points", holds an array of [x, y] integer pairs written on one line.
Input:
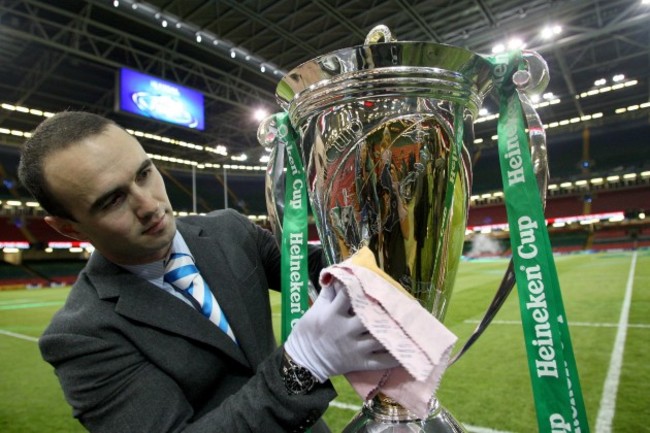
{"points": [[65, 227]]}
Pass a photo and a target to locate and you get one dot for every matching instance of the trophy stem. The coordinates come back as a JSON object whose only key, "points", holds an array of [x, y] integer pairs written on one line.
{"points": [[384, 415]]}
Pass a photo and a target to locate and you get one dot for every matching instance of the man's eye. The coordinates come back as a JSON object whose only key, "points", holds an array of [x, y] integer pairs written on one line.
{"points": [[144, 174], [113, 201]]}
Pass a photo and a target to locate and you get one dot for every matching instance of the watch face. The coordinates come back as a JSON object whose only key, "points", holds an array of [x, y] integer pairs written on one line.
{"points": [[297, 379]]}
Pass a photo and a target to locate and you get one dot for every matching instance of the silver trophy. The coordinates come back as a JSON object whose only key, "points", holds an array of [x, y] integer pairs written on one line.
{"points": [[383, 132]]}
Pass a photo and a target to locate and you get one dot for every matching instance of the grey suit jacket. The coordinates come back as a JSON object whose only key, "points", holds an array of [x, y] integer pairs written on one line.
{"points": [[132, 358]]}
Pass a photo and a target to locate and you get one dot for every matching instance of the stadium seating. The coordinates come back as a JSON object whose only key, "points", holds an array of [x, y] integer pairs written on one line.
{"points": [[568, 241], [246, 194], [10, 230]]}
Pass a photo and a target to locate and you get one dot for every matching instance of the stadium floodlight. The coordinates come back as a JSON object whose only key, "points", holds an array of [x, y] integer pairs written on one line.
{"points": [[516, 43], [498, 48], [550, 32], [260, 114]]}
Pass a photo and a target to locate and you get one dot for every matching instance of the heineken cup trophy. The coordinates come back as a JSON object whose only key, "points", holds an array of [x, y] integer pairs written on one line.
{"points": [[383, 130]]}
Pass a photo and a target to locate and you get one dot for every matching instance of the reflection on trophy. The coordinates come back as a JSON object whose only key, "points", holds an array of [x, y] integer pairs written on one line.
{"points": [[383, 130]]}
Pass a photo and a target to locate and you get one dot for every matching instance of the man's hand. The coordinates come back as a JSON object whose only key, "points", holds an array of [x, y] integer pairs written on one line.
{"points": [[330, 339]]}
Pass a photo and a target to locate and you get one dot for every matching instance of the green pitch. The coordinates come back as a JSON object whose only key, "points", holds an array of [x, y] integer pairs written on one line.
{"points": [[488, 389]]}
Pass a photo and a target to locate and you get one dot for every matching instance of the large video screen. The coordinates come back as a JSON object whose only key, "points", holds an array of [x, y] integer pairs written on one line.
{"points": [[152, 97]]}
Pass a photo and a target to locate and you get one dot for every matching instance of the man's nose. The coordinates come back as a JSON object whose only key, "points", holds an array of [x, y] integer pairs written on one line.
{"points": [[144, 203]]}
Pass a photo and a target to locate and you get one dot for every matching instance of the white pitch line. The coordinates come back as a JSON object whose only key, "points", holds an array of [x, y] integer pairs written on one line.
{"points": [[474, 429], [21, 336], [338, 404], [610, 325], [571, 324], [610, 389], [14, 301]]}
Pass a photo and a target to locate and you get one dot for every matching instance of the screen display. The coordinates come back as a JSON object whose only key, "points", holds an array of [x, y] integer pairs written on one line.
{"points": [[152, 97]]}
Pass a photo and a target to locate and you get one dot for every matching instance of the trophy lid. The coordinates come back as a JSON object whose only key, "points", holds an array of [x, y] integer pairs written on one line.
{"points": [[382, 55]]}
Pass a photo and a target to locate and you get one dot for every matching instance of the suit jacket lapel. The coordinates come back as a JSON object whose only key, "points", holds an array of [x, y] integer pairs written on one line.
{"points": [[141, 301], [224, 283]]}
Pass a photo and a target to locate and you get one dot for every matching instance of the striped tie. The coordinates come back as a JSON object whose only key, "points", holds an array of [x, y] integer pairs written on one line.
{"points": [[184, 276]]}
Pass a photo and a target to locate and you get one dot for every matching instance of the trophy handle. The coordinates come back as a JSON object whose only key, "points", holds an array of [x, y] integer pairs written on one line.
{"points": [[274, 178], [533, 80], [378, 34]]}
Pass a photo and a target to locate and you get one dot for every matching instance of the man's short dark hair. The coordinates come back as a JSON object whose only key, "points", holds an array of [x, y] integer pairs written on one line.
{"points": [[56, 133]]}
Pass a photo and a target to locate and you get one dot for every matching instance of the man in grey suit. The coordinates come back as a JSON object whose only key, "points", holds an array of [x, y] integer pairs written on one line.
{"points": [[135, 354]]}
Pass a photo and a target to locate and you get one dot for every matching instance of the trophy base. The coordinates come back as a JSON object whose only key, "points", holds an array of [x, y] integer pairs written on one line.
{"points": [[383, 415]]}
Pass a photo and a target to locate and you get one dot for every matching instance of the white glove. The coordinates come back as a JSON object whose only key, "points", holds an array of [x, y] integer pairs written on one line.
{"points": [[330, 339]]}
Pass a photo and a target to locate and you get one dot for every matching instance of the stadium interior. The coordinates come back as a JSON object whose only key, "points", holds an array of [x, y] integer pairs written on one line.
{"points": [[66, 55]]}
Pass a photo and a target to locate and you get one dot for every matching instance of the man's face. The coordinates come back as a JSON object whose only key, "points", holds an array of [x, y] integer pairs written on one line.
{"points": [[116, 195]]}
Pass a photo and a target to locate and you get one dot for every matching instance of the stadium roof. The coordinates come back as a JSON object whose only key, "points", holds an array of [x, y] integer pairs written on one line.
{"points": [[65, 54]]}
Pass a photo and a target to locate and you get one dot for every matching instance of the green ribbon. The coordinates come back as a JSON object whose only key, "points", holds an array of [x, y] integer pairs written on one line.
{"points": [[553, 371], [294, 274]]}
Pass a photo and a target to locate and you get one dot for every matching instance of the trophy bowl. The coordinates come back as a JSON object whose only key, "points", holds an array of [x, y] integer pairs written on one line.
{"points": [[383, 130]]}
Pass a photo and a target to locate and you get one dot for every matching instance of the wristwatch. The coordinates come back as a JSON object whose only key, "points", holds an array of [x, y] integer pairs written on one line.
{"points": [[297, 379]]}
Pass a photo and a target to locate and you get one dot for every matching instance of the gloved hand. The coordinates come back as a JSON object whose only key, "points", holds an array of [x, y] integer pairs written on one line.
{"points": [[330, 339]]}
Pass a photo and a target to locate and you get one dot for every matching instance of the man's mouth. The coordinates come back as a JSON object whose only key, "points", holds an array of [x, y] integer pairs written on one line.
{"points": [[156, 226]]}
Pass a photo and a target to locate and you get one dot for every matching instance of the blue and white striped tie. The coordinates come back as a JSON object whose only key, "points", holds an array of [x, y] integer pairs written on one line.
{"points": [[184, 276]]}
